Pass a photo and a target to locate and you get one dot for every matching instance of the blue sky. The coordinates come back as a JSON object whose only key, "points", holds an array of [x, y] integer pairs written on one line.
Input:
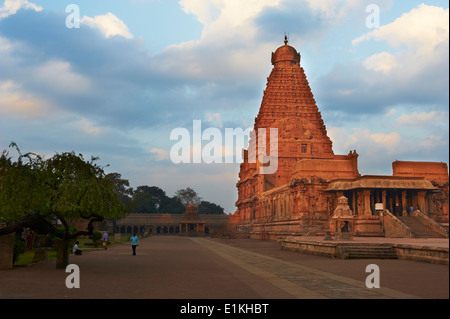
{"points": [[136, 70]]}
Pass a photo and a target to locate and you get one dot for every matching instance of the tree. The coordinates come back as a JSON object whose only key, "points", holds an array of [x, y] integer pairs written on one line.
{"points": [[209, 208], [188, 196], [37, 193], [146, 199], [122, 188], [153, 200], [173, 205]]}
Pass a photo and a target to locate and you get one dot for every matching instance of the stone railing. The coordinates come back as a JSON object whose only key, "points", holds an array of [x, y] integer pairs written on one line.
{"points": [[435, 226], [393, 227]]}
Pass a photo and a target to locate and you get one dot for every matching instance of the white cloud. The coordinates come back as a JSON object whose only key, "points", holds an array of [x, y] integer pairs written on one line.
{"points": [[227, 47], [334, 9], [14, 101], [390, 113], [90, 129], [365, 142], [383, 61], [203, 10], [12, 6], [413, 70], [421, 118], [109, 25], [214, 118], [388, 141], [59, 76], [433, 142], [160, 154], [420, 38], [420, 30]]}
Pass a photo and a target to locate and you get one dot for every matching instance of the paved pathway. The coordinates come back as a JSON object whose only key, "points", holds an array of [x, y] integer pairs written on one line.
{"points": [[169, 267]]}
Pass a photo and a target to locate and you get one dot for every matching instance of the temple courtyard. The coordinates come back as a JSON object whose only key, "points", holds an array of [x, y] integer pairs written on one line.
{"points": [[174, 267]]}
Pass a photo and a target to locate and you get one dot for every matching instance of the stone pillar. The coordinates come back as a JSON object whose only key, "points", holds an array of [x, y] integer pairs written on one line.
{"points": [[383, 198], [367, 210], [421, 201], [397, 204], [6, 251], [404, 212], [355, 212]]}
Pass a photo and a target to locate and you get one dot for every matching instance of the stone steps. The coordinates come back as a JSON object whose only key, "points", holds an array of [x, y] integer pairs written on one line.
{"points": [[369, 251], [419, 229]]}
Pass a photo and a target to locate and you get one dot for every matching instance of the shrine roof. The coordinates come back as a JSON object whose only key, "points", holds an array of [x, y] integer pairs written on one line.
{"points": [[381, 182]]}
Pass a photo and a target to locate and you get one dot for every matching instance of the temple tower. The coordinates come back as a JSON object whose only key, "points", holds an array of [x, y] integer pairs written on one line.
{"points": [[288, 105]]}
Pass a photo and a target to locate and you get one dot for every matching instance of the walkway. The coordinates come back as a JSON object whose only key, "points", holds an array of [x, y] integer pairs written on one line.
{"points": [[170, 267]]}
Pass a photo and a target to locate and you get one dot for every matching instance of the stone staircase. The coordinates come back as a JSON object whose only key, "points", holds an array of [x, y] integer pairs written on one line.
{"points": [[419, 229], [368, 251]]}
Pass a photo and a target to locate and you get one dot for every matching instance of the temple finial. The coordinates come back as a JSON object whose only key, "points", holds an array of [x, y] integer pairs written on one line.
{"points": [[285, 39]]}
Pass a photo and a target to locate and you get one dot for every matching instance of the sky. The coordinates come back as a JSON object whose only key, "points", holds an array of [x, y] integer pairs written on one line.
{"points": [[135, 71]]}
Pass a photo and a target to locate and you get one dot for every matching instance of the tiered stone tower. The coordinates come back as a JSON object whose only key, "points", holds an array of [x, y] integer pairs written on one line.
{"points": [[288, 105]]}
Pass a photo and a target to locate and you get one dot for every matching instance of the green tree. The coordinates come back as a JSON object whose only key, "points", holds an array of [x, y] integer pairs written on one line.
{"points": [[143, 201], [153, 200], [209, 208], [36, 193], [173, 205], [188, 196], [96, 237], [122, 188]]}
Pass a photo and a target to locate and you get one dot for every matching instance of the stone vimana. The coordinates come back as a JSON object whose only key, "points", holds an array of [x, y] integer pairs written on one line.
{"points": [[301, 196]]}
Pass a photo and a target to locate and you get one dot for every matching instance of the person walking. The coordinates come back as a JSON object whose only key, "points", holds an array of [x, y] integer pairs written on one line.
{"points": [[105, 240], [134, 243]]}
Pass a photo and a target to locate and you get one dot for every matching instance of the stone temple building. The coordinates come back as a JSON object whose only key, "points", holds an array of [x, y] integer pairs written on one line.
{"points": [[301, 196]]}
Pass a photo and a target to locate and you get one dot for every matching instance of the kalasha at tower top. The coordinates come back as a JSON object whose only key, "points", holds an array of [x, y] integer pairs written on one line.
{"points": [[288, 105], [285, 56]]}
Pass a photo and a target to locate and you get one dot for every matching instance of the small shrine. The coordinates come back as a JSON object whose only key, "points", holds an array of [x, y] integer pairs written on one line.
{"points": [[342, 220], [191, 225]]}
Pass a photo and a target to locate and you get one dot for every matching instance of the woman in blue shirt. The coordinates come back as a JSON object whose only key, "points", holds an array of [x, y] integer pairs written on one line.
{"points": [[134, 242]]}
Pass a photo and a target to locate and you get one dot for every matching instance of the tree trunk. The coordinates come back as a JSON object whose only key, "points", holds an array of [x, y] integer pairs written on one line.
{"points": [[62, 253]]}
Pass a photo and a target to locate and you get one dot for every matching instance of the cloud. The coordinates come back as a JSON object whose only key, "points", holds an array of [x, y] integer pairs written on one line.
{"points": [[109, 24], [11, 7], [214, 118], [390, 113], [389, 141], [160, 155], [90, 129], [420, 30], [14, 101], [383, 62], [377, 150], [422, 118], [433, 142], [414, 72], [60, 77]]}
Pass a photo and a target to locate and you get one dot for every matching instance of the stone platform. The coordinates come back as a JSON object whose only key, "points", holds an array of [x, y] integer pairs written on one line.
{"points": [[433, 250]]}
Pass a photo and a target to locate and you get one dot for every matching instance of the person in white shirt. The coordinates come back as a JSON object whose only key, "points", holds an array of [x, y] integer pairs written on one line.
{"points": [[76, 250]]}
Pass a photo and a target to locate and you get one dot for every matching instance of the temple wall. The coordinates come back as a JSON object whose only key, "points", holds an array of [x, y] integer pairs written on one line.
{"points": [[151, 222], [325, 168], [432, 171]]}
